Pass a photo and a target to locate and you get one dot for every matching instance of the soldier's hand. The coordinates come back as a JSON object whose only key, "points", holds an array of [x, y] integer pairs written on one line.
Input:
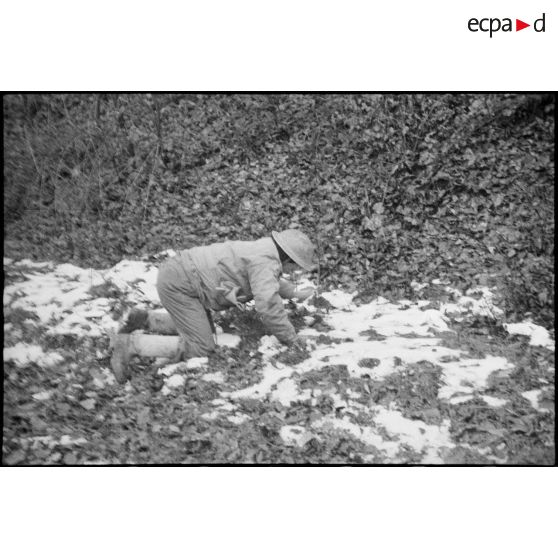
{"points": [[303, 294]]}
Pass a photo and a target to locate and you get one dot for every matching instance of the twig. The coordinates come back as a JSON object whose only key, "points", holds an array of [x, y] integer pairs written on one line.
{"points": [[149, 182], [134, 181], [98, 108], [31, 151], [318, 290]]}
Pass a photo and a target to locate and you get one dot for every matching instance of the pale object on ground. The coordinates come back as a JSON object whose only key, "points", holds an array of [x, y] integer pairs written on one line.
{"points": [[481, 306], [67, 440], [212, 415], [62, 294], [227, 406], [485, 452], [216, 377], [23, 354], [196, 362], [417, 434], [227, 340], [168, 253], [494, 401], [539, 336], [171, 369], [143, 275], [238, 419], [533, 397], [173, 382], [271, 375], [269, 346], [107, 377], [27, 263], [469, 375], [42, 396], [418, 286], [386, 319], [294, 435], [287, 392], [365, 434], [339, 299], [412, 320], [88, 404]]}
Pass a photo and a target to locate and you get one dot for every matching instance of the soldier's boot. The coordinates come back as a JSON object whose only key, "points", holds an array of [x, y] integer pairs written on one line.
{"points": [[126, 345], [158, 321]]}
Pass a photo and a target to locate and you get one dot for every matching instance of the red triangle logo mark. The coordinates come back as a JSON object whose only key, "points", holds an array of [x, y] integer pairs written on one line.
{"points": [[519, 25]]}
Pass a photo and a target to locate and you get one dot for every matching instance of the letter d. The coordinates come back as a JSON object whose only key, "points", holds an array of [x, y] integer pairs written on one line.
{"points": [[541, 30]]}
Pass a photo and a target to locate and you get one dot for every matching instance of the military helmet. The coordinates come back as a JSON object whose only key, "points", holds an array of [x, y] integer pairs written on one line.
{"points": [[297, 246]]}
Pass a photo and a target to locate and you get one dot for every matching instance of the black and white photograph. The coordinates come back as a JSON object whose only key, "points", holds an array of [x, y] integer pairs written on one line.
{"points": [[278, 279]]}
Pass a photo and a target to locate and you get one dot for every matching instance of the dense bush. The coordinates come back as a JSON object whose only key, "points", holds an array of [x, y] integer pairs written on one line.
{"points": [[393, 188]]}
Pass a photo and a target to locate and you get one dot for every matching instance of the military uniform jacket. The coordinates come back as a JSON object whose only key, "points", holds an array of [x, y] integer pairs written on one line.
{"points": [[230, 273]]}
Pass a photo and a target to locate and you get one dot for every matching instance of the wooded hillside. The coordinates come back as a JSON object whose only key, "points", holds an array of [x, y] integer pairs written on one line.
{"points": [[394, 188]]}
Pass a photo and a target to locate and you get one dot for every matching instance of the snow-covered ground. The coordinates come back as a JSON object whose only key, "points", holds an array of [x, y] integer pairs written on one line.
{"points": [[65, 299]]}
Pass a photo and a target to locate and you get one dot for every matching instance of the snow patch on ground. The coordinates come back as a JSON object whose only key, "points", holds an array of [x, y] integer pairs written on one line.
{"points": [[390, 335], [103, 377], [395, 321], [286, 391], [366, 434], [401, 334], [216, 377], [294, 435], [420, 436], [170, 253], [42, 395], [340, 299], [494, 401], [269, 346], [176, 373], [36, 442], [228, 340], [488, 399], [534, 396], [61, 298], [23, 354], [272, 374], [416, 286], [196, 362], [172, 382], [238, 419], [538, 335], [469, 375], [477, 301]]}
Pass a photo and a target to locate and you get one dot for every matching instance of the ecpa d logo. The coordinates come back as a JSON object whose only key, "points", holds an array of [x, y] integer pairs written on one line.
{"points": [[492, 25]]}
